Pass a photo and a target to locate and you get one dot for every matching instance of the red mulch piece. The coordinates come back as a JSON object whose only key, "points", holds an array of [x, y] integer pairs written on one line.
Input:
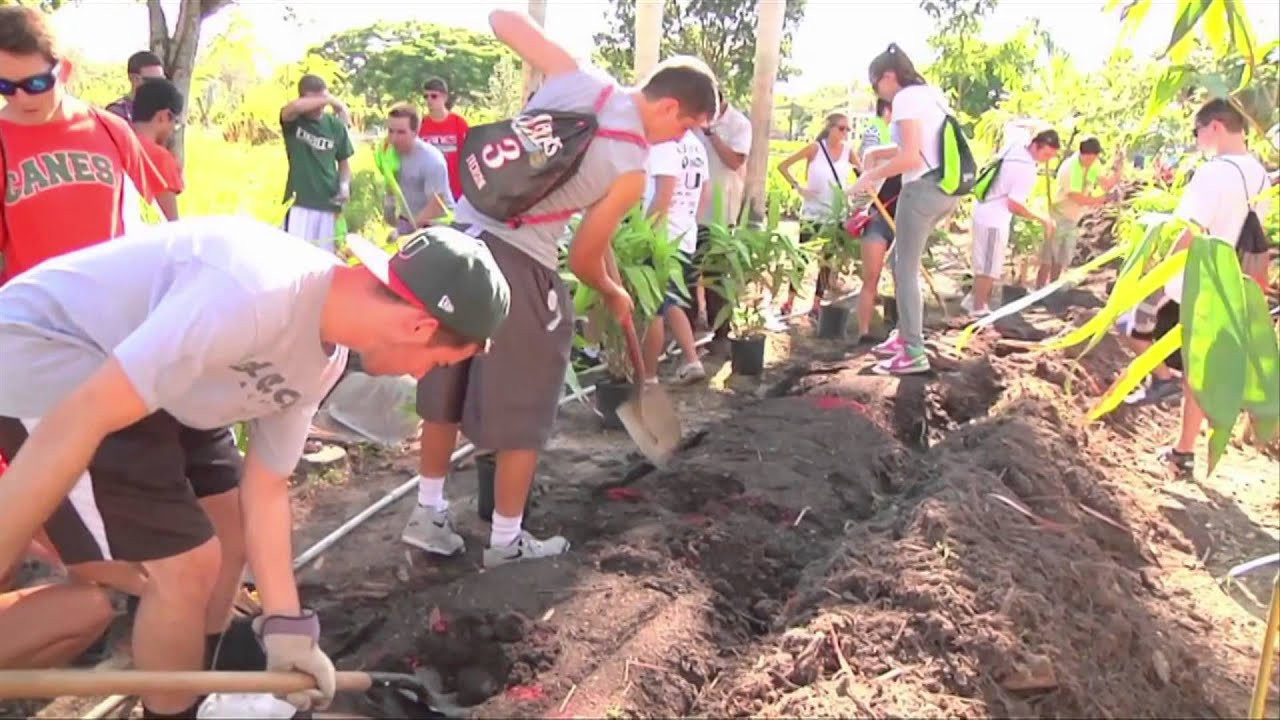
{"points": [[835, 402], [623, 494], [525, 693]]}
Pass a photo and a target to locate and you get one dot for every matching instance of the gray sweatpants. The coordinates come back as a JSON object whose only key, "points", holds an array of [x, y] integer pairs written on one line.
{"points": [[921, 206]]}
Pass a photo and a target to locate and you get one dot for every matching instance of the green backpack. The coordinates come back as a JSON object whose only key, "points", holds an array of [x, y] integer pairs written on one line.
{"points": [[958, 172], [987, 179]]}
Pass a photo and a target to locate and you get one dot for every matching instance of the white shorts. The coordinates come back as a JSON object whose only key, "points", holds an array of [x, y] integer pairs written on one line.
{"points": [[317, 227], [990, 247]]}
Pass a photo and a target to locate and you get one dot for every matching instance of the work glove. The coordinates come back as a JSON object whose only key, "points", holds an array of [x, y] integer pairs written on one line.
{"points": [[292, 645]]}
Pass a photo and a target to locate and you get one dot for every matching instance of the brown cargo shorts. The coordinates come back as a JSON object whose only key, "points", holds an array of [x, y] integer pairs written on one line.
{"points": [[506, 399], [139, 500]]}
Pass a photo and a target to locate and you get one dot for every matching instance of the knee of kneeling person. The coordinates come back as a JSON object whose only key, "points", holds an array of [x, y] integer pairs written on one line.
{"points": [[94, 610], [190, 574]]}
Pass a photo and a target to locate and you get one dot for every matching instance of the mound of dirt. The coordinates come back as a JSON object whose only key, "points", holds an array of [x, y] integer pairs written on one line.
{"points": [[1009, 585]]}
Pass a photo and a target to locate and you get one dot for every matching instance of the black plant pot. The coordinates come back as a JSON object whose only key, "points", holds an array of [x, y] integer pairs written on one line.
{"points": [[833, 322], [889, 308], [609, 395], [486, 467], [746, 355], [1011, 293]]}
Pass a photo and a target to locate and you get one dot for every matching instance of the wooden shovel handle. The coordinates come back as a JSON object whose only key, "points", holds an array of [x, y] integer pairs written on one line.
{"points": [[633, 350], [57, 683]]}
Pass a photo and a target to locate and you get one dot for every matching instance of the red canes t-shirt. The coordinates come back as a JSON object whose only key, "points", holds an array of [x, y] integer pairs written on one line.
{"points": [[447, 135], [64, 185]]}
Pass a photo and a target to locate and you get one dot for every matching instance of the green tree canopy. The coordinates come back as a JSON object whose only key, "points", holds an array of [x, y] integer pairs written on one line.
{"points": [[385, 63], [721, 32]]}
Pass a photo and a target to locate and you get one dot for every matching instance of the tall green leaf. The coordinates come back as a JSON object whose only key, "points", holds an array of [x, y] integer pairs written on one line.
{"points": [[1242, 38], [1213, 316], [1121, 301], [1136, 371], [1189, 13], [1262, 358]]}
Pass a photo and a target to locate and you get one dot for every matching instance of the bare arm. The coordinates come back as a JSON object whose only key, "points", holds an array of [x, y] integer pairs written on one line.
{"points": [[302, 106], [434, 209], [1023, 211], [590, 243], [664, 189], [519, 32], [731, 159], [784, 168], [58, 451], [268, 524], [168, 203], [907, 157]]}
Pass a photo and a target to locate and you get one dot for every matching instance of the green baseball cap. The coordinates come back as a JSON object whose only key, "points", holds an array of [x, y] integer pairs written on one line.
{"points": [[450, 274]]}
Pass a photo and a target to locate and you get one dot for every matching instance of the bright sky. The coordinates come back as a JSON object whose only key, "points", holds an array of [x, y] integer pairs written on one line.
{"points": [[834, 44]]}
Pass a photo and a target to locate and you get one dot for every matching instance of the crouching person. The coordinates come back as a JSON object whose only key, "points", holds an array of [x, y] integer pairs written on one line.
{"points": [[50, 624], [116, 354]]}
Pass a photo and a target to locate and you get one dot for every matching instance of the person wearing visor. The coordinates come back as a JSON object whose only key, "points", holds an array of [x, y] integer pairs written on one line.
{"points": [[112, 351]]}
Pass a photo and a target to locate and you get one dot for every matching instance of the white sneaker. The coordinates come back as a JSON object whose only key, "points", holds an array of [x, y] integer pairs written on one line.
{"points": [[691, 373], [432, 530], [966, 303], [525, 547]]}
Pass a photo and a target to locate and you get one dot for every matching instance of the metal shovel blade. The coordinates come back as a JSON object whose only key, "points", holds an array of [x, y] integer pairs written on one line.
{"points": [[647, 414], [651, 421]]}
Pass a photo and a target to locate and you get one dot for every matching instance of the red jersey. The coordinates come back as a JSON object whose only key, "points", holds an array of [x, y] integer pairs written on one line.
{"points": [[166, 166], [64, 184], [447, 135]]}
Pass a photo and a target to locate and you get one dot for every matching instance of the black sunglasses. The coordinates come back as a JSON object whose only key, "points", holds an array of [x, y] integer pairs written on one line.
{"points": [[34, 85]]}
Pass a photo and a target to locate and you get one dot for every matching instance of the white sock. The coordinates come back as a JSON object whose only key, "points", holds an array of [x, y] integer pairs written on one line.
{"points": [[505, 530], [431, 493]]}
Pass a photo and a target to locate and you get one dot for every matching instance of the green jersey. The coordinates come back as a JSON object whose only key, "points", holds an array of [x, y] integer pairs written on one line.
{"points": [[314, 147]]}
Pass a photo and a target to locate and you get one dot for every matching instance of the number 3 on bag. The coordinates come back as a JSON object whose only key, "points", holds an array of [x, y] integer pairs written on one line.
{"points": [[495, 155]]}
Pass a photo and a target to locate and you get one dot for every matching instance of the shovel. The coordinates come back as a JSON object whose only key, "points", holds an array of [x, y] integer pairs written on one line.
{"points": [[82, 683], [647, 413]]}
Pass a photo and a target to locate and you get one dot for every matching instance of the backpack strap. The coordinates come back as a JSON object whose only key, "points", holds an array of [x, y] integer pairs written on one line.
{"points": [[1244, 182]]}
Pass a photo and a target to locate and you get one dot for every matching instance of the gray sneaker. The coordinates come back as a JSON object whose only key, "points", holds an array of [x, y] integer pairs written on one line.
{"points": [[691, 373], [525, 547], [432, 530]]}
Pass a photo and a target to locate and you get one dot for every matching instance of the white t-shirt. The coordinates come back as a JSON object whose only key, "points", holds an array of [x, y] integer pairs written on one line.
{"points": [[215, 320], [1015, 180], [1216, 200], [734, 129], [685, 160], [928, 106]]}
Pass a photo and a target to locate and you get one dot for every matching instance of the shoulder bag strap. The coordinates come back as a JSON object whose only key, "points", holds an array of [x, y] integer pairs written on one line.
{"points": [[822, 145]]}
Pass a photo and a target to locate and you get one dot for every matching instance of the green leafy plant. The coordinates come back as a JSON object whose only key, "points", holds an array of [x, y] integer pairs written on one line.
{"points": [[649, 263], [748, 265]]}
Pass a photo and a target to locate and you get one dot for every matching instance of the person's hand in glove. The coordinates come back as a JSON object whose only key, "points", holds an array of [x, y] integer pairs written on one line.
{"points": [[292, 644]]}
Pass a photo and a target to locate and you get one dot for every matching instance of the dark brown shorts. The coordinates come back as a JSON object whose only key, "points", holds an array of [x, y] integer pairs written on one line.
{"points": [[139, 499], [506, 399]]}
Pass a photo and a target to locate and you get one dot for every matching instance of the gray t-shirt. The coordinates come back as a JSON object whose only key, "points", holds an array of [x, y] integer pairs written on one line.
{"points": [[423, 173], [604, 161], [215, 320]]}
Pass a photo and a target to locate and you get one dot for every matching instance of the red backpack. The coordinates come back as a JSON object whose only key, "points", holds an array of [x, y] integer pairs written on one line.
{"points": [[509, 166]]}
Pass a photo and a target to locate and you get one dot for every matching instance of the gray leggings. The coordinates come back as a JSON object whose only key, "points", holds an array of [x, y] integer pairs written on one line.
{"points": [[921, 206]]}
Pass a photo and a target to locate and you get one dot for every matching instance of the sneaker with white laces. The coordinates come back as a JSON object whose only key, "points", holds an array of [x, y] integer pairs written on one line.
{"points": [[890, 347], [904, 363], [432, 530], [691, 373], [525, 547]]}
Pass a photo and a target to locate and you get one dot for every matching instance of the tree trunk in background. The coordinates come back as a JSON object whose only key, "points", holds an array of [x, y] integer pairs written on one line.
{"points": [[769, 17], [178, 49], [533, 78], [648, 36]]}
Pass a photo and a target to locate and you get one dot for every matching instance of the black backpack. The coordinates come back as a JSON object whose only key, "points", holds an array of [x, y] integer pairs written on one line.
{"points": [[1253, 238], [507, 167]]}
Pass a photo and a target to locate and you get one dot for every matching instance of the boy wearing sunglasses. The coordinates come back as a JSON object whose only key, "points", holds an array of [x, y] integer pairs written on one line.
{"points": [[444, 128], [157, 115], [56, 153]]}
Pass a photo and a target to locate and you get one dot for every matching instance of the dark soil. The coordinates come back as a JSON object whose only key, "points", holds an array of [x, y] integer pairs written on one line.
{"points": [[831, 543]]}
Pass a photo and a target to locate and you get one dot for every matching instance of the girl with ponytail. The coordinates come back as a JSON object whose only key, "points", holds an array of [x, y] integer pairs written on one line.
{"points": [[919, 111], [829, 160]]}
